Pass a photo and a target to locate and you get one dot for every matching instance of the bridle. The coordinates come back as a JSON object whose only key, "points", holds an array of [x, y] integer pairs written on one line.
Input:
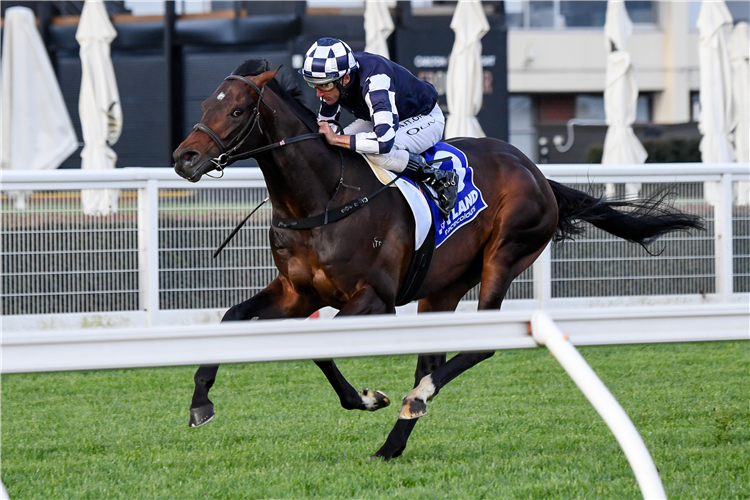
{"points": [[228, 154]]}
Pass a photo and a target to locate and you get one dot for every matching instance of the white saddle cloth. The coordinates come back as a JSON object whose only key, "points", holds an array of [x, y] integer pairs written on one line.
{"points": [[419, 207]]}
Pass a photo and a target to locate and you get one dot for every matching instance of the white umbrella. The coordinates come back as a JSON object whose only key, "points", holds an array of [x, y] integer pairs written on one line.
{"points": [[378, 26], [739, 51], [716, 118], [621, 146], [465, 80], [37, 132], [99, 103]]}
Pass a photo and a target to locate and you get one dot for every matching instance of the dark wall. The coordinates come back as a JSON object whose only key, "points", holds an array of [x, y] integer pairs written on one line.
{"points": [[141, 85], [423, 45], [205, 50]]}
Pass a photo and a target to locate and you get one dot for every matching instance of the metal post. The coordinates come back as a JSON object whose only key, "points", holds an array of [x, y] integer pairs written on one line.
{"points": [[723, 238], [172, 80], [299, 9], [500, 82], [542, 270], [148, 249], [403, 13], [545, 332]]}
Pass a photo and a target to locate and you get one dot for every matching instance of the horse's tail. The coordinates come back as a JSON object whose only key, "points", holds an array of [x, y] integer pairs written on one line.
{"points": [[639, 221]]}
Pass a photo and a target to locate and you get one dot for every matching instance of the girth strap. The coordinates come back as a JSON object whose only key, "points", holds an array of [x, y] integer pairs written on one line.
{"points": [[329, 216], [420, 266]]}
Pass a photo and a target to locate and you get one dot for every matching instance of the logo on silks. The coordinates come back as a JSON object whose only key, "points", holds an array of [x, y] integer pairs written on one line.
{"points": [[470, 201]]}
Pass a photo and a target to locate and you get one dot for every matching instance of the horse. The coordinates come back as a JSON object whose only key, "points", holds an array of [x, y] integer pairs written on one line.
{"points": [[358, 264]]}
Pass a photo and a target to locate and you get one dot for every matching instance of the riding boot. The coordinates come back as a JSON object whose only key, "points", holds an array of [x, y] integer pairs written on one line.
{"points": [[444, 182]]}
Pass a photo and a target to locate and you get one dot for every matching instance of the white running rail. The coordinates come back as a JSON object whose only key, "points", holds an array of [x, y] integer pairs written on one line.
{"points": [[162, 274], [546, 333]]}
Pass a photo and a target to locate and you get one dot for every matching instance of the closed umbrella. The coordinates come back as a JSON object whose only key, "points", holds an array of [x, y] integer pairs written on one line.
{"points": [[739, 50], [99, 103], [717, 117], [621, 146], [37, 132], [378, 26], [465, 81]]}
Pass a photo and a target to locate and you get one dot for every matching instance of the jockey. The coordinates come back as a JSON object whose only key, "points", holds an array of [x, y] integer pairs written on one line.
{"points": [[397, 116]]}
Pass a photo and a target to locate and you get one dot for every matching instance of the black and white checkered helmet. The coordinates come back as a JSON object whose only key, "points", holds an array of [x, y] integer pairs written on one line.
{"points": [[327, 60]]}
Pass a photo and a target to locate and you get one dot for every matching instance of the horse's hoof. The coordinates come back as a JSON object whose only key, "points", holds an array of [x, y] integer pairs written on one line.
{"points": [[374, 400], [201, 416], [385, 453], [412, 408]]}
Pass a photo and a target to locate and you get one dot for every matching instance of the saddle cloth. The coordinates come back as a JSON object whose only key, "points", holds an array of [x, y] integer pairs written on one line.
{"points": [[470, 201]]}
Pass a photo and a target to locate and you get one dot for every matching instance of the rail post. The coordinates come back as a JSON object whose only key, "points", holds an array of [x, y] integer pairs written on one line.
{"points": [[723, 237], [148, 249], [542, 269], [546, 333]]}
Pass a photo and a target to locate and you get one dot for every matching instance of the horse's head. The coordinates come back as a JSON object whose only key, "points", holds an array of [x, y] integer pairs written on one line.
{"points": [[230, 117]]}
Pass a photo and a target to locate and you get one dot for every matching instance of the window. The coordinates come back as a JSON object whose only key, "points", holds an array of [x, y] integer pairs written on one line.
{"points": [[522, 133], [583, 14], [695, 106], [561, 14], [740, 11], [591, 107]]}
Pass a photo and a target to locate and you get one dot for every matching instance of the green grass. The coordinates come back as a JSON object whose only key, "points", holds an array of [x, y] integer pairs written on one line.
{"points": [[513, 427]]}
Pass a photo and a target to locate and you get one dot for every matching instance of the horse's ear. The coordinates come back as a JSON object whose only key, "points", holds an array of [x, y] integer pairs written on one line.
{"points": [[266, 77]]}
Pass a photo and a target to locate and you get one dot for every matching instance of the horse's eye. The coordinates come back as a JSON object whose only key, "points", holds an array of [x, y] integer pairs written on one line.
{"points": [[237, 113]]}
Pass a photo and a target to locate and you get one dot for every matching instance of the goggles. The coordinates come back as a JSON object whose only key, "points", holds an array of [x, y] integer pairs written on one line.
{"points": [[323, 87]]}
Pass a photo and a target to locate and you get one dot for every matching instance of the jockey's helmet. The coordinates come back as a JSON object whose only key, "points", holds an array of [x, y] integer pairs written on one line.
{"points": [[328, 60]]}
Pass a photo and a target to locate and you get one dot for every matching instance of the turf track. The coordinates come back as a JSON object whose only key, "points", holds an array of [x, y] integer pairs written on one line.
{"points": [[514, 427]]}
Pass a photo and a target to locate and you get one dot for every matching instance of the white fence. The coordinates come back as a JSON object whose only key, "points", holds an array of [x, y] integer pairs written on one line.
{"points": [[150, 264]]}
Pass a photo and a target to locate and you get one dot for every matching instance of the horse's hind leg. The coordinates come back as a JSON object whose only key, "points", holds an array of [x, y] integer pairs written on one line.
{"points": [[365, 301], [269, 303], [504, 260]]}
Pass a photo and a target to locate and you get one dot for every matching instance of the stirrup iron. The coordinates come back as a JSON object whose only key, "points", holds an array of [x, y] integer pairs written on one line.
{"points": [[444, 182]]}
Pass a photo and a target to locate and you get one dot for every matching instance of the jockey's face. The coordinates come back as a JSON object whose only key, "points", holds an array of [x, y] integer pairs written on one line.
{"points": [[331, 96]]}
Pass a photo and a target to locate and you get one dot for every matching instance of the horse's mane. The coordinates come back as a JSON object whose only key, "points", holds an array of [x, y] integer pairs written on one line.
{"points": [[286, 89]]}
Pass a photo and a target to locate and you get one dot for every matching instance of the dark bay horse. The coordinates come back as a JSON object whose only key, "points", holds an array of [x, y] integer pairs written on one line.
{"points": [[338, 264]]}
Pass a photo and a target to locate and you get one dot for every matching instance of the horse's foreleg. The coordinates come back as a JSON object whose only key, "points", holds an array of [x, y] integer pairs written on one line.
{"points": [[270, 303], [365, 301], [395, 444], [351, 398]]}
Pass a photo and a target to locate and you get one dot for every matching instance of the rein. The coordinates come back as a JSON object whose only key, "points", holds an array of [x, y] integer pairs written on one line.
{"points": [[227, 157]]}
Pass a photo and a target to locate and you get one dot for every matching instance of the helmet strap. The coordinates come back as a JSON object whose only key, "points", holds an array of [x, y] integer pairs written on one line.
{"points": [[344, 89]]}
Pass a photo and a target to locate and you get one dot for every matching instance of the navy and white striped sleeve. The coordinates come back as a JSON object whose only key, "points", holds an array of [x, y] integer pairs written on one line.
{"points": [[381, 100], [329, 112]]}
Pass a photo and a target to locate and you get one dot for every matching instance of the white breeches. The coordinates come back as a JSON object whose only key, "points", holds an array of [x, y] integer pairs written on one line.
{"points": [[414, 135]]}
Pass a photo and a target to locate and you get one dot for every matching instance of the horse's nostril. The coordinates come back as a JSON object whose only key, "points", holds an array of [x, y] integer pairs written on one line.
{"points": [[189, 157]]}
